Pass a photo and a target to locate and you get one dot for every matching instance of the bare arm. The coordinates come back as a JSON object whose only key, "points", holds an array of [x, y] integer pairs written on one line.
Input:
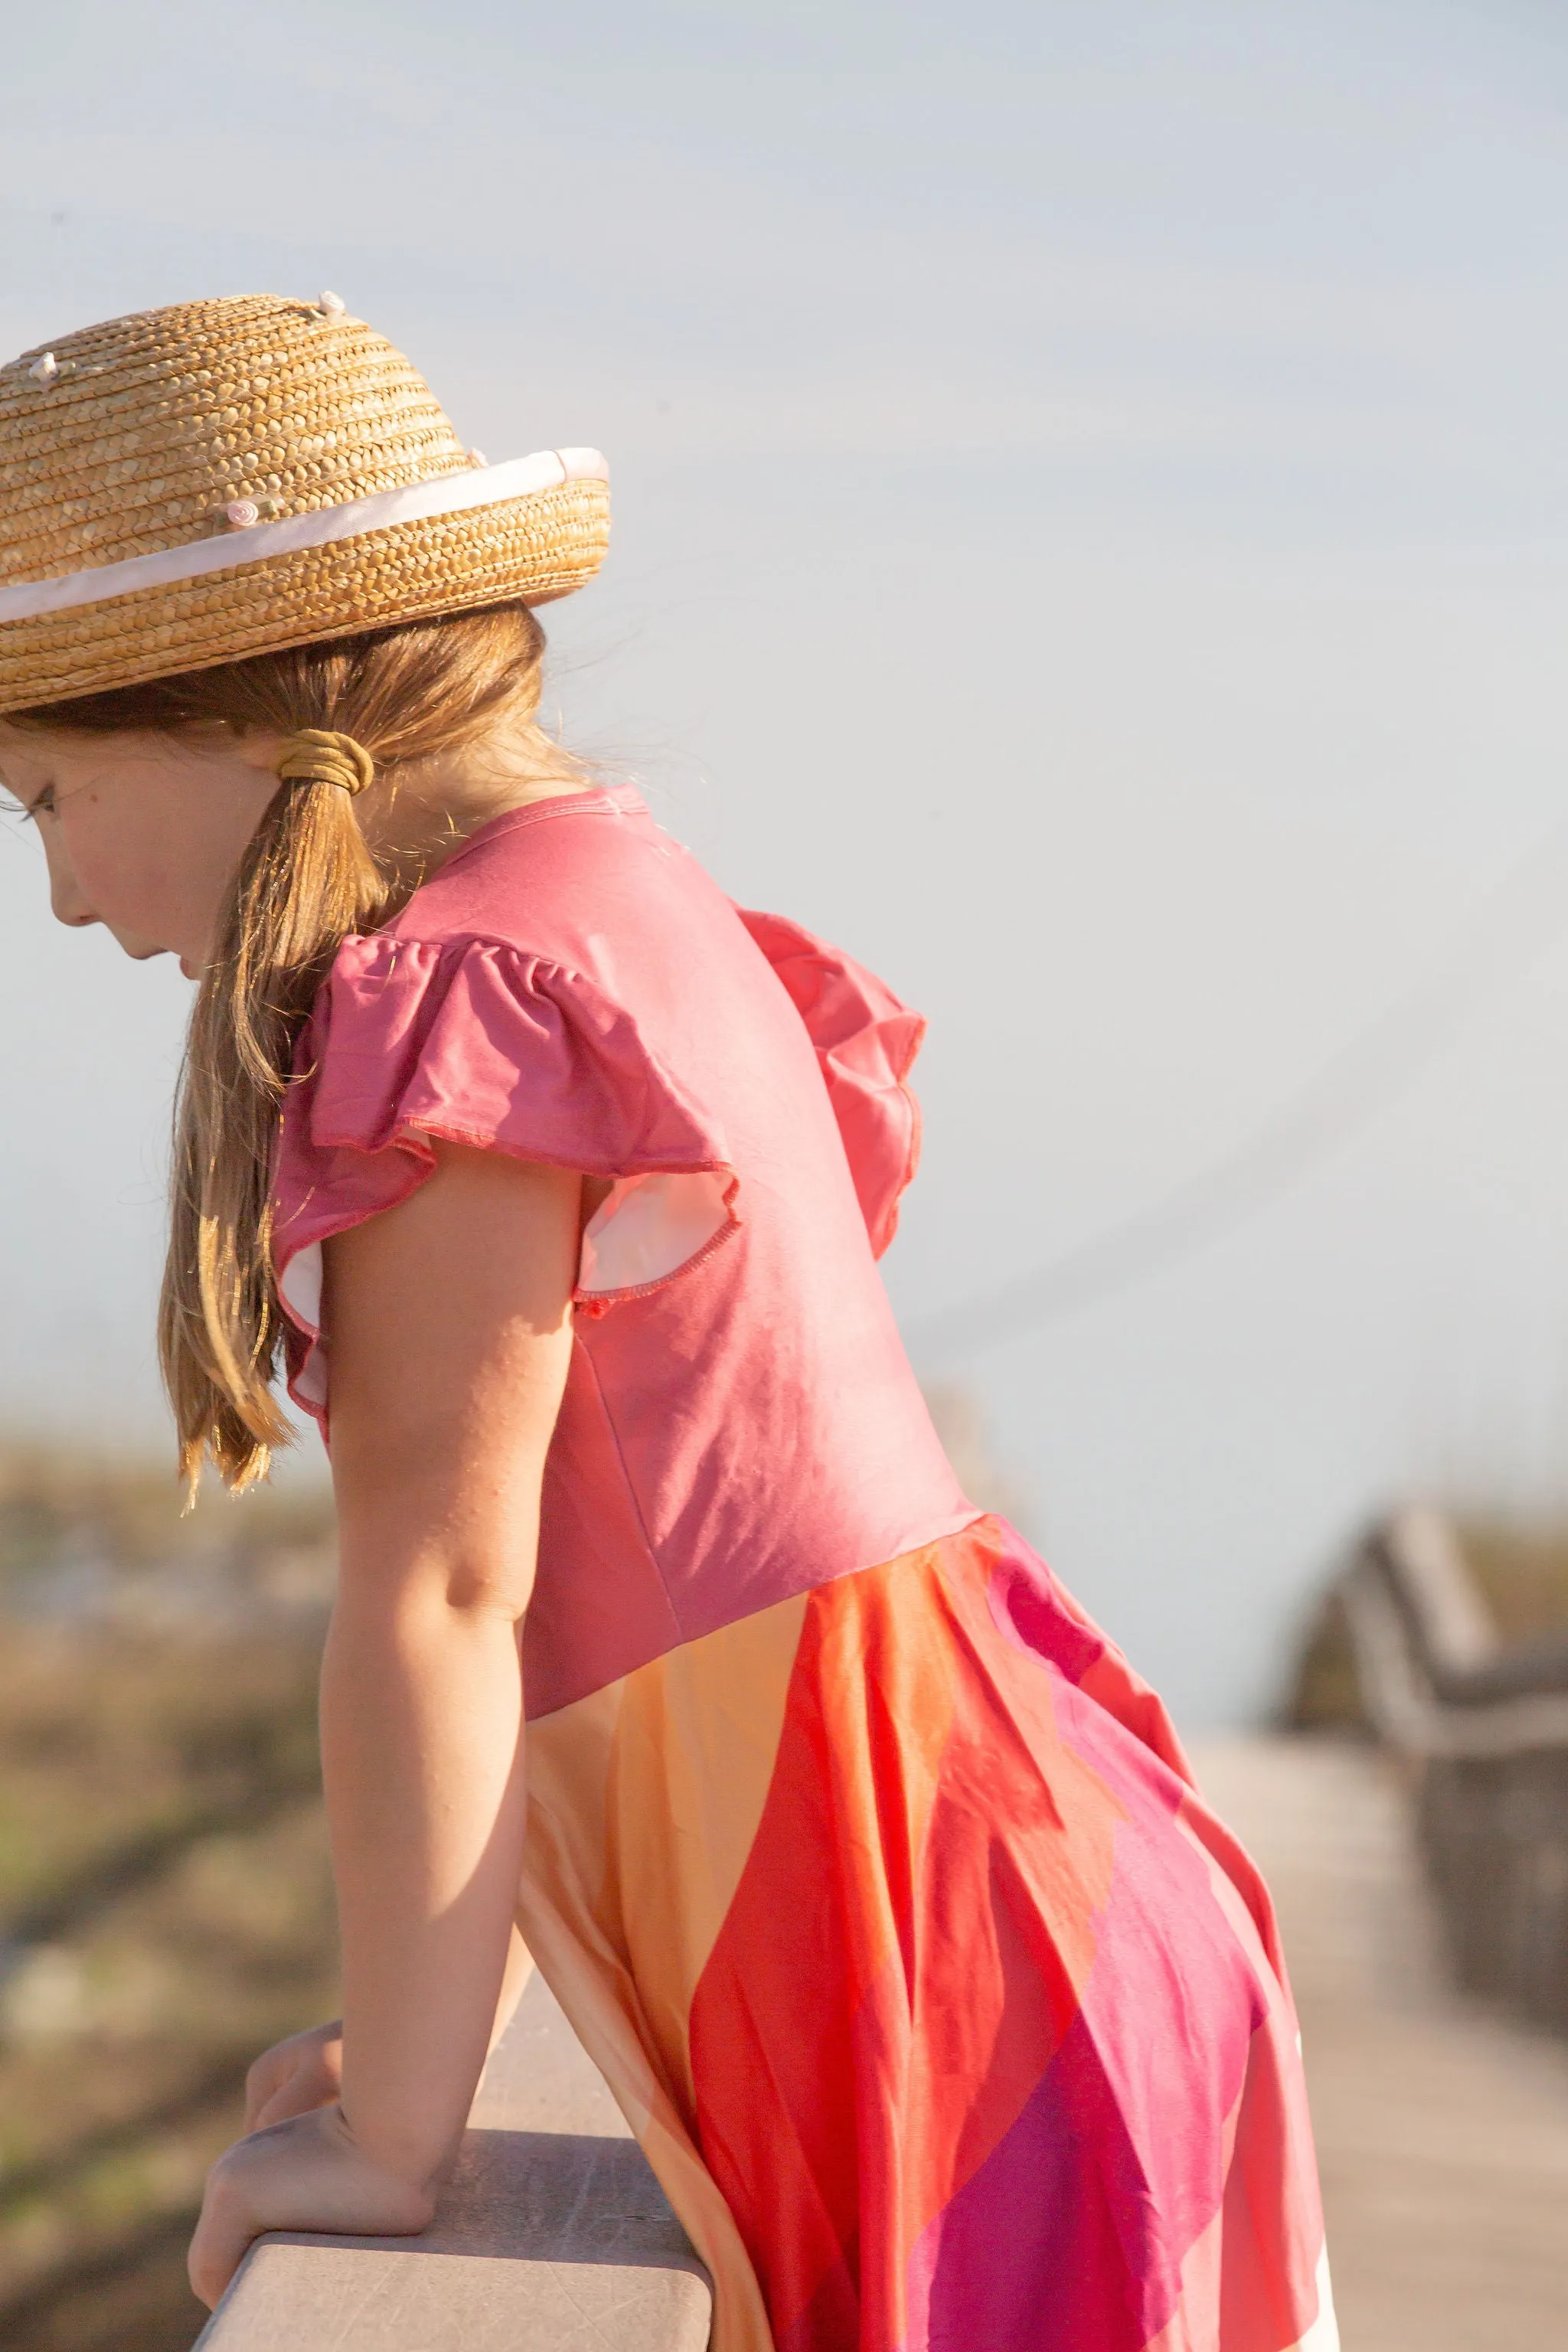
{"points": [[449, 1327], [443, 1405], [306, 2070]]}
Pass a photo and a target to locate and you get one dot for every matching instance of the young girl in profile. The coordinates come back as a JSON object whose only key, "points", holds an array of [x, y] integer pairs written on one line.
{"points": [[667, 1649]]}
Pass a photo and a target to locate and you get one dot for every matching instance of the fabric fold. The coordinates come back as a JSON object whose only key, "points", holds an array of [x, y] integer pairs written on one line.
{"points": [[866, 1041], [478, 1042]]}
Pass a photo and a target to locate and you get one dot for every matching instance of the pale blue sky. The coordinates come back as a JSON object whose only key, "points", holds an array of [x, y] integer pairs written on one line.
{"points": [[1091, 536]]}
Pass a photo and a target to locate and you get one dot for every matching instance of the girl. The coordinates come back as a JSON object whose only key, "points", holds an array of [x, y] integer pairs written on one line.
{"points": [[863, 1866]]}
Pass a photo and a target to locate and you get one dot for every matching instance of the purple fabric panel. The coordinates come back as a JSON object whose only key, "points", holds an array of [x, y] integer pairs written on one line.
{"points": [[1028, 2257], [1028, 1605], [1073, 2233]]}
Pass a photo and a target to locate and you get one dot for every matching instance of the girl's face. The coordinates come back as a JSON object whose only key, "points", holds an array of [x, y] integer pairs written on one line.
{"points": [[143, 833]]}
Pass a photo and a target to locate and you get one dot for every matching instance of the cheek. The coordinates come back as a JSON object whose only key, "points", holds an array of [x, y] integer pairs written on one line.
{"points": [[123, 876], [130, 873]]}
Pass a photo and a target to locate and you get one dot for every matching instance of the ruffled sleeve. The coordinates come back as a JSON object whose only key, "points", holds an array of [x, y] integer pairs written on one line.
{"points": [[478, 1042], [866, 1043]]}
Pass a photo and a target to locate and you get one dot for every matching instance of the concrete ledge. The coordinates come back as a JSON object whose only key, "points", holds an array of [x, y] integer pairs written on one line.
{"points": [[549, 2239]]}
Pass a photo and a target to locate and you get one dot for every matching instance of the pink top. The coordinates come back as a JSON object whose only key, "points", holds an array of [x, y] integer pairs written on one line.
{"points": [[740, 1421]]}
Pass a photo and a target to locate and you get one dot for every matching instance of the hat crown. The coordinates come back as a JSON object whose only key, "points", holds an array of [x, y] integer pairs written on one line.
{"points": [[146, 431]]}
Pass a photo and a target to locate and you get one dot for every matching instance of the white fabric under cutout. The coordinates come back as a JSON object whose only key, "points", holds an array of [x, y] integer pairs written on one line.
{"points": [[302, 1288], [649, 1227], [646, 1228]]}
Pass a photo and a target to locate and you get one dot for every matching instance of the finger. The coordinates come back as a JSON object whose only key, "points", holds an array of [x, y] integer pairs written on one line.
{"points": [[218, 2249], [276, 2110], [282, 2091], [262, 2084], [300, 2095]]}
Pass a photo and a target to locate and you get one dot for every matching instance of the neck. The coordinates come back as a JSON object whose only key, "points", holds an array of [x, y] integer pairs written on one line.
{"points": [[427, 809]]}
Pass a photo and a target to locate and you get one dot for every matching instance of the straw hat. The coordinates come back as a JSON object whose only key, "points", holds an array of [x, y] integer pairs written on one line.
{"points": [[189, 486]]}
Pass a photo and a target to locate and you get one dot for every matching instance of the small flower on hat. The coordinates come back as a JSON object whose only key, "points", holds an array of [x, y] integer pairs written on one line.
{"points": [[478, 458], [241, 514], [44, 371], [331, 306]]}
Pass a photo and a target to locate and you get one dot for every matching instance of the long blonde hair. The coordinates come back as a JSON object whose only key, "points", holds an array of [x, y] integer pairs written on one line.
{"points": [[307, 880]]}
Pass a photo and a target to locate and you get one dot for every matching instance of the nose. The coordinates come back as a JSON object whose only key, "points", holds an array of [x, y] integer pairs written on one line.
{"points": [[67, 901], [68, 906]]}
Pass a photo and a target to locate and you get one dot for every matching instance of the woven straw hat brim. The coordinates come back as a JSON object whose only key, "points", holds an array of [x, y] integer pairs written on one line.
{"points": [[534, 548], [147, 444]]}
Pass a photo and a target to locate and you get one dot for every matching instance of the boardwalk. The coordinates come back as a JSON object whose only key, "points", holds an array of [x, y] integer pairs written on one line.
{"points": [[1442, 2130]]}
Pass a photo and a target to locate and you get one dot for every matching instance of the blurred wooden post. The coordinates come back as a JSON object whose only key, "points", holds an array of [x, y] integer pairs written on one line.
{"points": [[1484, 1731], [553, 2236]]}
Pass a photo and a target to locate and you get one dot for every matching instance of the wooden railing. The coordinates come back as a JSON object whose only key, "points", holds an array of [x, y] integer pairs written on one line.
{"points": [[1484, 1730], [554, 2236]]}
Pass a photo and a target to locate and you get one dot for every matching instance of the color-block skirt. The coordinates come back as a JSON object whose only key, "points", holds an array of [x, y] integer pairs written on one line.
{"points": [[946, 2014]]}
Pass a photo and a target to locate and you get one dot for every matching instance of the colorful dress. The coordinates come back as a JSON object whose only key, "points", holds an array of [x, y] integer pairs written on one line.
{"points": [[865, 1869]]}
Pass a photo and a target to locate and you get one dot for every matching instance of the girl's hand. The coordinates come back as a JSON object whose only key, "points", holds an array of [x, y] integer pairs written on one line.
{"points": [[305, 2174], [304, 2072]]}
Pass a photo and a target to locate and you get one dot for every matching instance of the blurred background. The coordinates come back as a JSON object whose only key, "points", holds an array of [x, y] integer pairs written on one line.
{"points": [[1091, 537]]}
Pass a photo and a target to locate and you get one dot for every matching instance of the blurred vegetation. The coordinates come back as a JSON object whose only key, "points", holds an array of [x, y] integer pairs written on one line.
{"points": [[165, 1897], [1521, 1569]]}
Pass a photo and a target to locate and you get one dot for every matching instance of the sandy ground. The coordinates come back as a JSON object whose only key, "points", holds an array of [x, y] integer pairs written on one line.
{"points": [[1442, 2128]]}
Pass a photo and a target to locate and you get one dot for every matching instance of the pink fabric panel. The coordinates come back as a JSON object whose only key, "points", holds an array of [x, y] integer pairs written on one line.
{"points": [[865, 1044], [474, 1038], [572, 987], [477, 1043], [611, 1604]]}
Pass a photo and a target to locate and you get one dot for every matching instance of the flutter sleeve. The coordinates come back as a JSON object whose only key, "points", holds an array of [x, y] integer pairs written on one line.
{"points": [[866, 1043], [480, 1043]]}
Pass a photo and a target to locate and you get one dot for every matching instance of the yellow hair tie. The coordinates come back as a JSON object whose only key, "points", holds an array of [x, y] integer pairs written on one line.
{"points": [[316, 756]]}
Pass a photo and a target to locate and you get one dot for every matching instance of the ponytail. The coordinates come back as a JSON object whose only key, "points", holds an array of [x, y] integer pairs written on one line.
{"points": [[306, 881]]}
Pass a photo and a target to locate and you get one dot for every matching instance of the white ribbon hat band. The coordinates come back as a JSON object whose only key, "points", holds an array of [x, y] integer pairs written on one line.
{"points": [[484, 485]]}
